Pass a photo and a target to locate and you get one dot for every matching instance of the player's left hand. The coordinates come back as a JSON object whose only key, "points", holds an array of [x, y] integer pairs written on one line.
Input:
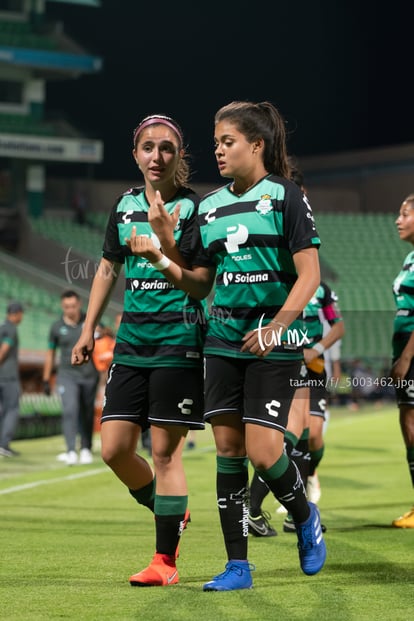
{"points": [[259, 342]]}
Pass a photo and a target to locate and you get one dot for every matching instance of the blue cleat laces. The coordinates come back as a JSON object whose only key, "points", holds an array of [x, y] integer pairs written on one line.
{"points": [[237, 575]]}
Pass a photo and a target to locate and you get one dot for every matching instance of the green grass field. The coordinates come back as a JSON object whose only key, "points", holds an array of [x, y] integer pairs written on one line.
{"points": [[70, 538]]}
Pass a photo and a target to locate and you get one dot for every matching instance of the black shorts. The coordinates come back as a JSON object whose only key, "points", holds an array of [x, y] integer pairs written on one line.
{"points": [[160, 396], [318, 393], [260, 391], [404, 389]]}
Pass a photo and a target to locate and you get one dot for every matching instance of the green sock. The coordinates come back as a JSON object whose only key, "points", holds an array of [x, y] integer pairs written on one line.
{"points": [[315, 459], [145, 495]]}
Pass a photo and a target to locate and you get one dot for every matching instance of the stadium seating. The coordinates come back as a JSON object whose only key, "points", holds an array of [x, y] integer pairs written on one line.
{"points": [[42, 307], [361, 254], [24, 124], [365, 253], [19, 34], [86, 239], [40, 416]]}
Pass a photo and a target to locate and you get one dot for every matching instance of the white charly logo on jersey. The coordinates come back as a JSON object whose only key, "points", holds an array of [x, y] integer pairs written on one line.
{"points": [[140, 263], [184, 406], [397, 284], [236, 235], [309, 215], [210, 216], [153, 238], [126, 218], [271, 408]]}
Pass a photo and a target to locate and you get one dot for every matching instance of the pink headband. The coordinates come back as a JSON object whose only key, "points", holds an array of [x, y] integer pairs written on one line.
{"points": [[158, 120]]}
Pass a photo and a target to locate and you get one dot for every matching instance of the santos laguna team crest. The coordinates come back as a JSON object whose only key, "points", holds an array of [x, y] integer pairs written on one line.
{"points": [[264, 205]]}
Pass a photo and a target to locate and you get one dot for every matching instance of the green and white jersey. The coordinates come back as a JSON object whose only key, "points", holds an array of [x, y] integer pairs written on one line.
{"points": [[323, 306], [251, 240], [403, 289], [161, 326]]}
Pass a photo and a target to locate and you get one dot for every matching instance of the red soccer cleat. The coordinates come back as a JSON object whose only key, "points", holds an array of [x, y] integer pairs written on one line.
{"points": [[160, 572]]}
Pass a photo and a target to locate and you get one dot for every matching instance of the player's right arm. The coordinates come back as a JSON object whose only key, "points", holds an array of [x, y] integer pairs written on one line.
{"points": [[197, 282], [102, 286], [4, 350]]}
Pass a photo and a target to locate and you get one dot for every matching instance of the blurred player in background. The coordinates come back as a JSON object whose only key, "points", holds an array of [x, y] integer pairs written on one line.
{"points": [[403, 346]]}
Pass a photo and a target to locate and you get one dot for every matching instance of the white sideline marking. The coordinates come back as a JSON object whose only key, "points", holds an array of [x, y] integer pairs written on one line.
{"points": [[69, 477], [80, 475]]}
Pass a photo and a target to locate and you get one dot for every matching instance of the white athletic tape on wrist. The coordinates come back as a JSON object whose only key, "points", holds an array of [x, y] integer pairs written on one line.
{"points": [[162, 264], [319, 348]]}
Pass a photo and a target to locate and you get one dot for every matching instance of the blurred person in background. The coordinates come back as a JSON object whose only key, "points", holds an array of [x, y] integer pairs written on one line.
{"points": [[10, 388], [76, 386], [402, 371]]}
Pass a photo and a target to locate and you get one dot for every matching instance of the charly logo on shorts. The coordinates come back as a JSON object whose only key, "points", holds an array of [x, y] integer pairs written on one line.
{"points": [[273, 408], [184, 406]]}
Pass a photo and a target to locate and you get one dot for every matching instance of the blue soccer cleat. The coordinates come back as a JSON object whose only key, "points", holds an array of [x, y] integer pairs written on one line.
{"points": [[312, 549], [237, 575]]}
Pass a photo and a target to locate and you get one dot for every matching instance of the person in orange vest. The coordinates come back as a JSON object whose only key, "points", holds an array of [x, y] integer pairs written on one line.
{"points": [[104, 349]]}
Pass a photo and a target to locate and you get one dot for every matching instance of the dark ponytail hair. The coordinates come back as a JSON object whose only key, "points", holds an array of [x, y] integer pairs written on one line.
{"points": [[260, 120]]}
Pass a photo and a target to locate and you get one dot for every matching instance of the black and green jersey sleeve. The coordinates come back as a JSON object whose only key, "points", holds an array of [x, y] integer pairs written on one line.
{"points": [[322, 306], [251, 239], [403, 289], [161, 325]]}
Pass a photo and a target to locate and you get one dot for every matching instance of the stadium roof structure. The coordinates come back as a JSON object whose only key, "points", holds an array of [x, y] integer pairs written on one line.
{"points": [[95, 3], [50, 60], [40, 49]]}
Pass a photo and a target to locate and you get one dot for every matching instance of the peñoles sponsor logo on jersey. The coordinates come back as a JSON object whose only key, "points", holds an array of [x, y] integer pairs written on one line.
{"points": [[247, 278]]}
